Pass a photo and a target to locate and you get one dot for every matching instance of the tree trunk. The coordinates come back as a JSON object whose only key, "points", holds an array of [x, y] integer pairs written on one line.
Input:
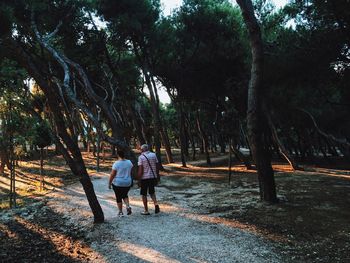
{"points": [[230, 161], [204, 138], [191, 138], [41, 169], [254, 112], [137, 125], [162, 130], [156, 120], [241, 157], [4, 159], [182, 134], [280, 145], [74, 158], [343, 143]]}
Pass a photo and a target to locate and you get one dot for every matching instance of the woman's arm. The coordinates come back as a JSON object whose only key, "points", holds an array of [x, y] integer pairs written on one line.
{"points": [[111, 177]]}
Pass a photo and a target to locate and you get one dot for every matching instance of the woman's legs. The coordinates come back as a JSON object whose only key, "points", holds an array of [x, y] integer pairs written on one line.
{"points": [[118, 195], [126, 199], [120, 207]]}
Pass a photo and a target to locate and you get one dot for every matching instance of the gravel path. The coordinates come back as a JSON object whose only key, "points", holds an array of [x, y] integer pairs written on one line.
{"points": [[177, 234]]}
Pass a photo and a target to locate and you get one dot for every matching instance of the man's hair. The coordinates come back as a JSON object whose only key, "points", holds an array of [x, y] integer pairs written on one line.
{"points": [[144, 147], [121, 154]]}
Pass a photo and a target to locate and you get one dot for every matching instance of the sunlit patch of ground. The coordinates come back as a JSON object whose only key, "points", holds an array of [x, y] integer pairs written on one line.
{"points": [[145, 253], [41, 235], [56, 175]]}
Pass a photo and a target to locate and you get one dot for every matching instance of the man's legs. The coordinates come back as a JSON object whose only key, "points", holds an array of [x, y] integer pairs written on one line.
{"points": [[154, 199], [152, 193], [143, 192], [144, 200]]}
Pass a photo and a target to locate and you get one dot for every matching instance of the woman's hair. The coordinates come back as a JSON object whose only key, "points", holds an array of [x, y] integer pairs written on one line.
{"points": [[121, 154]]}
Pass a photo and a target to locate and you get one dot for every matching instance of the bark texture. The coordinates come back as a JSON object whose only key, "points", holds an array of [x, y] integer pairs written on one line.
{"points": [[255, 125]]}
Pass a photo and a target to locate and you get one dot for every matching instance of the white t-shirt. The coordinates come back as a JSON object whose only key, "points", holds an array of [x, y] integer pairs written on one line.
{"points": [[123, 177], [152, 158]]}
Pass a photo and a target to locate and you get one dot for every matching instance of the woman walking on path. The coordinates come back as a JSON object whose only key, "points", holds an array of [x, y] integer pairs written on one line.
{"points": [[120, 179]]}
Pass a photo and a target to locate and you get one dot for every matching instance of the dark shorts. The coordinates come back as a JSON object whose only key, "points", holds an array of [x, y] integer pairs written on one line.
{"points": [[120, 192], [147, 185]]}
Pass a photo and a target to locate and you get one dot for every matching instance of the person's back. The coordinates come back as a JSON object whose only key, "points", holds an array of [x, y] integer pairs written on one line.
{"points": [[149, 161], [123, 177]]}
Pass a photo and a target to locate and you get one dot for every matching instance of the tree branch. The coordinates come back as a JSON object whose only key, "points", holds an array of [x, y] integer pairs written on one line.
{"points": [[326, 135]]}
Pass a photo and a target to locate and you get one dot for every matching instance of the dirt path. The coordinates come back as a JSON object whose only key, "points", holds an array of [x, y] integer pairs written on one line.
{"points": [[177, 234]]}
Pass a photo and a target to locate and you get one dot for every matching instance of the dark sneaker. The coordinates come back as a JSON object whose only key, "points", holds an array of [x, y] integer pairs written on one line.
{"points": [[145, 213], [156, 209], [120, 214], [128, 211]]}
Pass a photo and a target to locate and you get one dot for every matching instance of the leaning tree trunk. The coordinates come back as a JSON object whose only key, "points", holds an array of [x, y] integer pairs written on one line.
{"points": [[74, 158], [142, 57], [156, 119], [343, 143], [241, 157], [281, 148], [254, 112], [136, 123], [163, 131]]}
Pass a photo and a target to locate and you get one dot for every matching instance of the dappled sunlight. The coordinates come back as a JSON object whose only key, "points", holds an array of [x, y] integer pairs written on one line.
{"points": [[282, 168], [235, 168], [344, 174], [64, 244], [28, 179], [231, 223], [145, 253], [5, 230], [166, 208]]}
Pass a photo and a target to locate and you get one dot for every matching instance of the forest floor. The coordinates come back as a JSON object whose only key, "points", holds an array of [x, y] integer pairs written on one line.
{"points": [[203, 218]]}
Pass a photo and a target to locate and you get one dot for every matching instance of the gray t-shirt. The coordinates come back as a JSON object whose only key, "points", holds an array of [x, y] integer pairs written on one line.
{"points": [[123, 177]]}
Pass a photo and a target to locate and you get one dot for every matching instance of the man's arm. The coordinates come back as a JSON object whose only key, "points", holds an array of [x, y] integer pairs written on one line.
{"points": [[140, 172], [157, 168]]}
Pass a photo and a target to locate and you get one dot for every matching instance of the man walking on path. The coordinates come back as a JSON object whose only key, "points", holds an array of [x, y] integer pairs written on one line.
{"points": [[147, 173]]}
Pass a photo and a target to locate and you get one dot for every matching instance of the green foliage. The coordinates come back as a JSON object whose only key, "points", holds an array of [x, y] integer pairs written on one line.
{"points": [[205, 49], [305, 66], [200, 54], [42, 134]]}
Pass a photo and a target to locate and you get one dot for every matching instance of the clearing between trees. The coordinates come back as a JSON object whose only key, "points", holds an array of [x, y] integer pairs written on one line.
{"points": [[202, 219]]}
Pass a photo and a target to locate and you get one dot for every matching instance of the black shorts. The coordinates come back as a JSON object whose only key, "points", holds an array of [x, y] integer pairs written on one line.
{"points": [[120, 192], [147, 185]]}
